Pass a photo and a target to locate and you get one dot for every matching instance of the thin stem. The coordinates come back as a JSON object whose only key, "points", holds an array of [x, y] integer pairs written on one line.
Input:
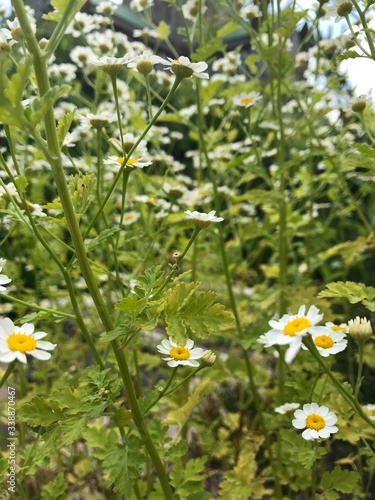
{"points": [[7, 373], [42, 80], [173, 89], [343, 391], [361, 344], [178, 262], [163, 392]]}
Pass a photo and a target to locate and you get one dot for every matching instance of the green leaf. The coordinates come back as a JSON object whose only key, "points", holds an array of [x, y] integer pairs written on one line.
{"points": [[41, 106], [349, 54], [208, 51], [187, 478], [40, 412], [100, 439], [343, 481], [228, 28], [21, 183], [63, 126], [180, 416], [198, 313], [122, 465], [102, 236], [176, 451], [55, 490], [352, 291], [131, 305], [163, 30]]}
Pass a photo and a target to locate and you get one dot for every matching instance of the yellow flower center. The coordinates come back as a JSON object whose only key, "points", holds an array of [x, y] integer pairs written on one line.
{"points": [[21, 342], [179, 353], [295, 326], [315, 422], [324, 341], [128, 217], [337, 328], [131, 161], [246, 100]]}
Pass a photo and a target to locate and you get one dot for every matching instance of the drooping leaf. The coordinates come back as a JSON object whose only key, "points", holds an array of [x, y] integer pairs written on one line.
{"points": [[180, 416]]}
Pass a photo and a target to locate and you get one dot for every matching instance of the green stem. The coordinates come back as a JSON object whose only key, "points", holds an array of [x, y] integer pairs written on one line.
{"points": [[178, 262], [8, 371], [366, 28], [36, 307], [72, 8], [43, 85], [173, 89], [163, 392], [361, 344], [313, 475], [343, 391]]}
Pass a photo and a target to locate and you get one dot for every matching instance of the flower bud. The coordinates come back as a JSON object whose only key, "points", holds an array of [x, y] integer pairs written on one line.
{"points": [[360, 328], [208, 358], [344, 9], [43, 42]]}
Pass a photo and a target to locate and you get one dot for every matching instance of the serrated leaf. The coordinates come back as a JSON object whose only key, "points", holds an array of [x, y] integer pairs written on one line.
{"points": [[131, 305], [100, 439], [176, 451], [41, 106], [199, 313], [341, 480], [119, 331], [187, 478], [55, 490], [352, 291], [102, 236], [349, 54], [122, 465], [63, 126], [21, 183], [40, 412]]}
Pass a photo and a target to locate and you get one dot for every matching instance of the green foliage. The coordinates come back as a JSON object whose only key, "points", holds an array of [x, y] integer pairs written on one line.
{"points": [[122, 465], [64, 125], [339, 481], [187, 478], [352, 291], [197, 313], [180, 415], [56, 489], [82, 190]]}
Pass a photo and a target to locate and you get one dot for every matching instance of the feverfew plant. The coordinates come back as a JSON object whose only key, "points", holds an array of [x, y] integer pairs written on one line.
{"points": [[192, 231]]}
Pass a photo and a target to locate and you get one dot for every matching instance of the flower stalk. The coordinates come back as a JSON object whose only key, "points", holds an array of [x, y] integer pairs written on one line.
{"points": [[42, 80]]}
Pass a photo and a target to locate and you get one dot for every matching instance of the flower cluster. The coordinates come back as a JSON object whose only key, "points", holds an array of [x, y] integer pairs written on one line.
{"points": [[291, 329]]}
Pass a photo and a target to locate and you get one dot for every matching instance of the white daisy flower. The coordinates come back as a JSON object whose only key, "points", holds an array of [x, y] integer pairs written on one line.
{"points": [[291, 328], [144, 63], [317, 421], [129, 218], [200, 219], [16, 342], [329, 342], [370, 410], [246, 100], [117, 161], [184, 68], [286, 407], [180, 355], [4, 280], [112, 61]]}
